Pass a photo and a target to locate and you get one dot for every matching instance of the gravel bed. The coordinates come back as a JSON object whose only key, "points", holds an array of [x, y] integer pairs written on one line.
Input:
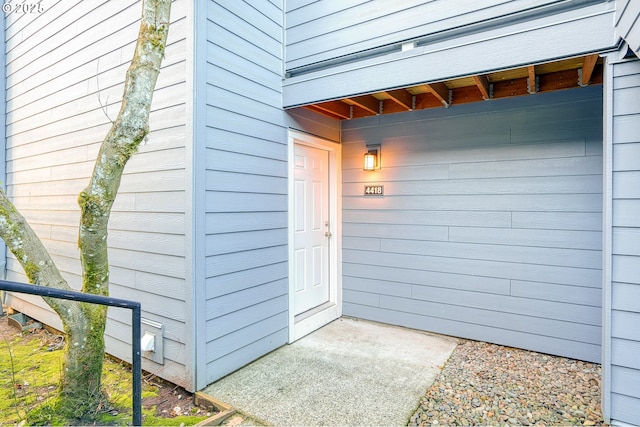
{"points": [[488, 384]]}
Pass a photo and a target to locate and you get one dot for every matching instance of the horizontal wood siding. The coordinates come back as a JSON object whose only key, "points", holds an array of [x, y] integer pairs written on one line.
{"points": [[625, 269], [246, 185], [490, 223], [3, 163], [628, 23], [65, 73], [319, 31], [314, 123]]}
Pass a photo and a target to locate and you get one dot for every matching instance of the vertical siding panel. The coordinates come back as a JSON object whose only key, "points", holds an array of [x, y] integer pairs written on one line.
{"points": [[246, 166], [65, 76], [505, 280], [625, 257]]}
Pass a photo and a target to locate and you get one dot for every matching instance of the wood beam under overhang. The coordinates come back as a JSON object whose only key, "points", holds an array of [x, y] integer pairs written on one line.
{"points": [[587, 69], [532, 86], [366, 102], [519, 81], [335, 108], [440, 91], [401, 97], [482, 82]]}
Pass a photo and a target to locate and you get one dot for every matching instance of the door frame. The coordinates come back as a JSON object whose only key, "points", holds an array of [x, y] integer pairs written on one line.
{"points": [[331, 310]]}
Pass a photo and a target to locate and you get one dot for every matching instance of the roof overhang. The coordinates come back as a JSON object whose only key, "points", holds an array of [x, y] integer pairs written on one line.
{"points": [[501, 54], [522, 81]]}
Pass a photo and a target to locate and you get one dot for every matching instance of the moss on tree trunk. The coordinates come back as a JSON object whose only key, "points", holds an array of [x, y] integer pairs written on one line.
{"points": [[80, 387]]}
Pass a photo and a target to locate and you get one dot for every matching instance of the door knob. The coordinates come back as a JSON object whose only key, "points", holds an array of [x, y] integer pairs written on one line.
{"points": [[327, 234]]}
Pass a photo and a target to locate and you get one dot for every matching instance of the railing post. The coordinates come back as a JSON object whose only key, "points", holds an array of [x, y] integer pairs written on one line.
{"points": [[136, 365], [136, 317]]}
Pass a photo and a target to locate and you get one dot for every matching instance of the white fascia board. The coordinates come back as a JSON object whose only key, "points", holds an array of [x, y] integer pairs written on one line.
{"points": [[546, 39]]}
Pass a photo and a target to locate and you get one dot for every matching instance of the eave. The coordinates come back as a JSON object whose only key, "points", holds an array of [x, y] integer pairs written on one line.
{"points": [[523, 81]]}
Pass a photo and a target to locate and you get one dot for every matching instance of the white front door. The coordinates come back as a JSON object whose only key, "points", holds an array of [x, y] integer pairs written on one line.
{"points": [[311, 228], [315, 294]]}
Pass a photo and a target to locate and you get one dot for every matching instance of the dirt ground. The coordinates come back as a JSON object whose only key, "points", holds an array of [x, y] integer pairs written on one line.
{"points": [[171, 400]]}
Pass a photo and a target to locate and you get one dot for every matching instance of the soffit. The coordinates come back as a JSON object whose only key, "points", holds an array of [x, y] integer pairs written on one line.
{"points": [[521, 81]]}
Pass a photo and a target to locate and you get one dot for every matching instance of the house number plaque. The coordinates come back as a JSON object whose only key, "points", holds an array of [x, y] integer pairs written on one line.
{"points": [[374, 190]]}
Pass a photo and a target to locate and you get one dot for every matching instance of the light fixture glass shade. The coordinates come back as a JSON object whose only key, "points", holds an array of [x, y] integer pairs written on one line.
{"points": [[370, 161]]}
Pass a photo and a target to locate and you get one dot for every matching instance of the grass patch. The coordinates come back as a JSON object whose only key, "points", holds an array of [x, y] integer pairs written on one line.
{"points": [[30, 367]]}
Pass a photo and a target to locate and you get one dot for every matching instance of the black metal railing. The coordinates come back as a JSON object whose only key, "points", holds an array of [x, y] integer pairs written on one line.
{"points": [[102, 300]]}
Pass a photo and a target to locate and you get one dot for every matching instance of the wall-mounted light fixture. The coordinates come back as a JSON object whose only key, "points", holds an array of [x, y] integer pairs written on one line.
{"points": [[372, 158]]}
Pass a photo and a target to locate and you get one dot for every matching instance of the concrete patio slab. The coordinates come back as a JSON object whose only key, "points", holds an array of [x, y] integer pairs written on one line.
{"points": [[349, 373]]}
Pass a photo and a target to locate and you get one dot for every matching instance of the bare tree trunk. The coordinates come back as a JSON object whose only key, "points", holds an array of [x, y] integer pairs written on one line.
{"points": [[122, 141], [80, 385], [129, 129], [84, 323]]}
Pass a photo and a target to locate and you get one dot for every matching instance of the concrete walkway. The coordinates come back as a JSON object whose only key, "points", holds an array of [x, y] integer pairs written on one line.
{"points": [[349, 373]]}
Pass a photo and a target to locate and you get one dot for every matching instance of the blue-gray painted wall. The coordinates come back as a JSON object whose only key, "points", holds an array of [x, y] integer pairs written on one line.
{"points": [[627, 23], [246, 185], [320, 31], [623, 368], [490, 223], [3, 163], [314, 123], [65, 69]]}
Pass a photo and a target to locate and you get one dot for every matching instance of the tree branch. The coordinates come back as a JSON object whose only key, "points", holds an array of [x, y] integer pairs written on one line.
{"points": [[106, 104], [28, 249], [129, 129]]}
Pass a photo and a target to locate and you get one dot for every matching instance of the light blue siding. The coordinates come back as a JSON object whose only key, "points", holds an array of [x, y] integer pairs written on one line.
{"points": [[628, 23], [245, 188], [313, 123], [65, 71], [320, 31], [490, 225], [624, 370], [3, 160]]}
